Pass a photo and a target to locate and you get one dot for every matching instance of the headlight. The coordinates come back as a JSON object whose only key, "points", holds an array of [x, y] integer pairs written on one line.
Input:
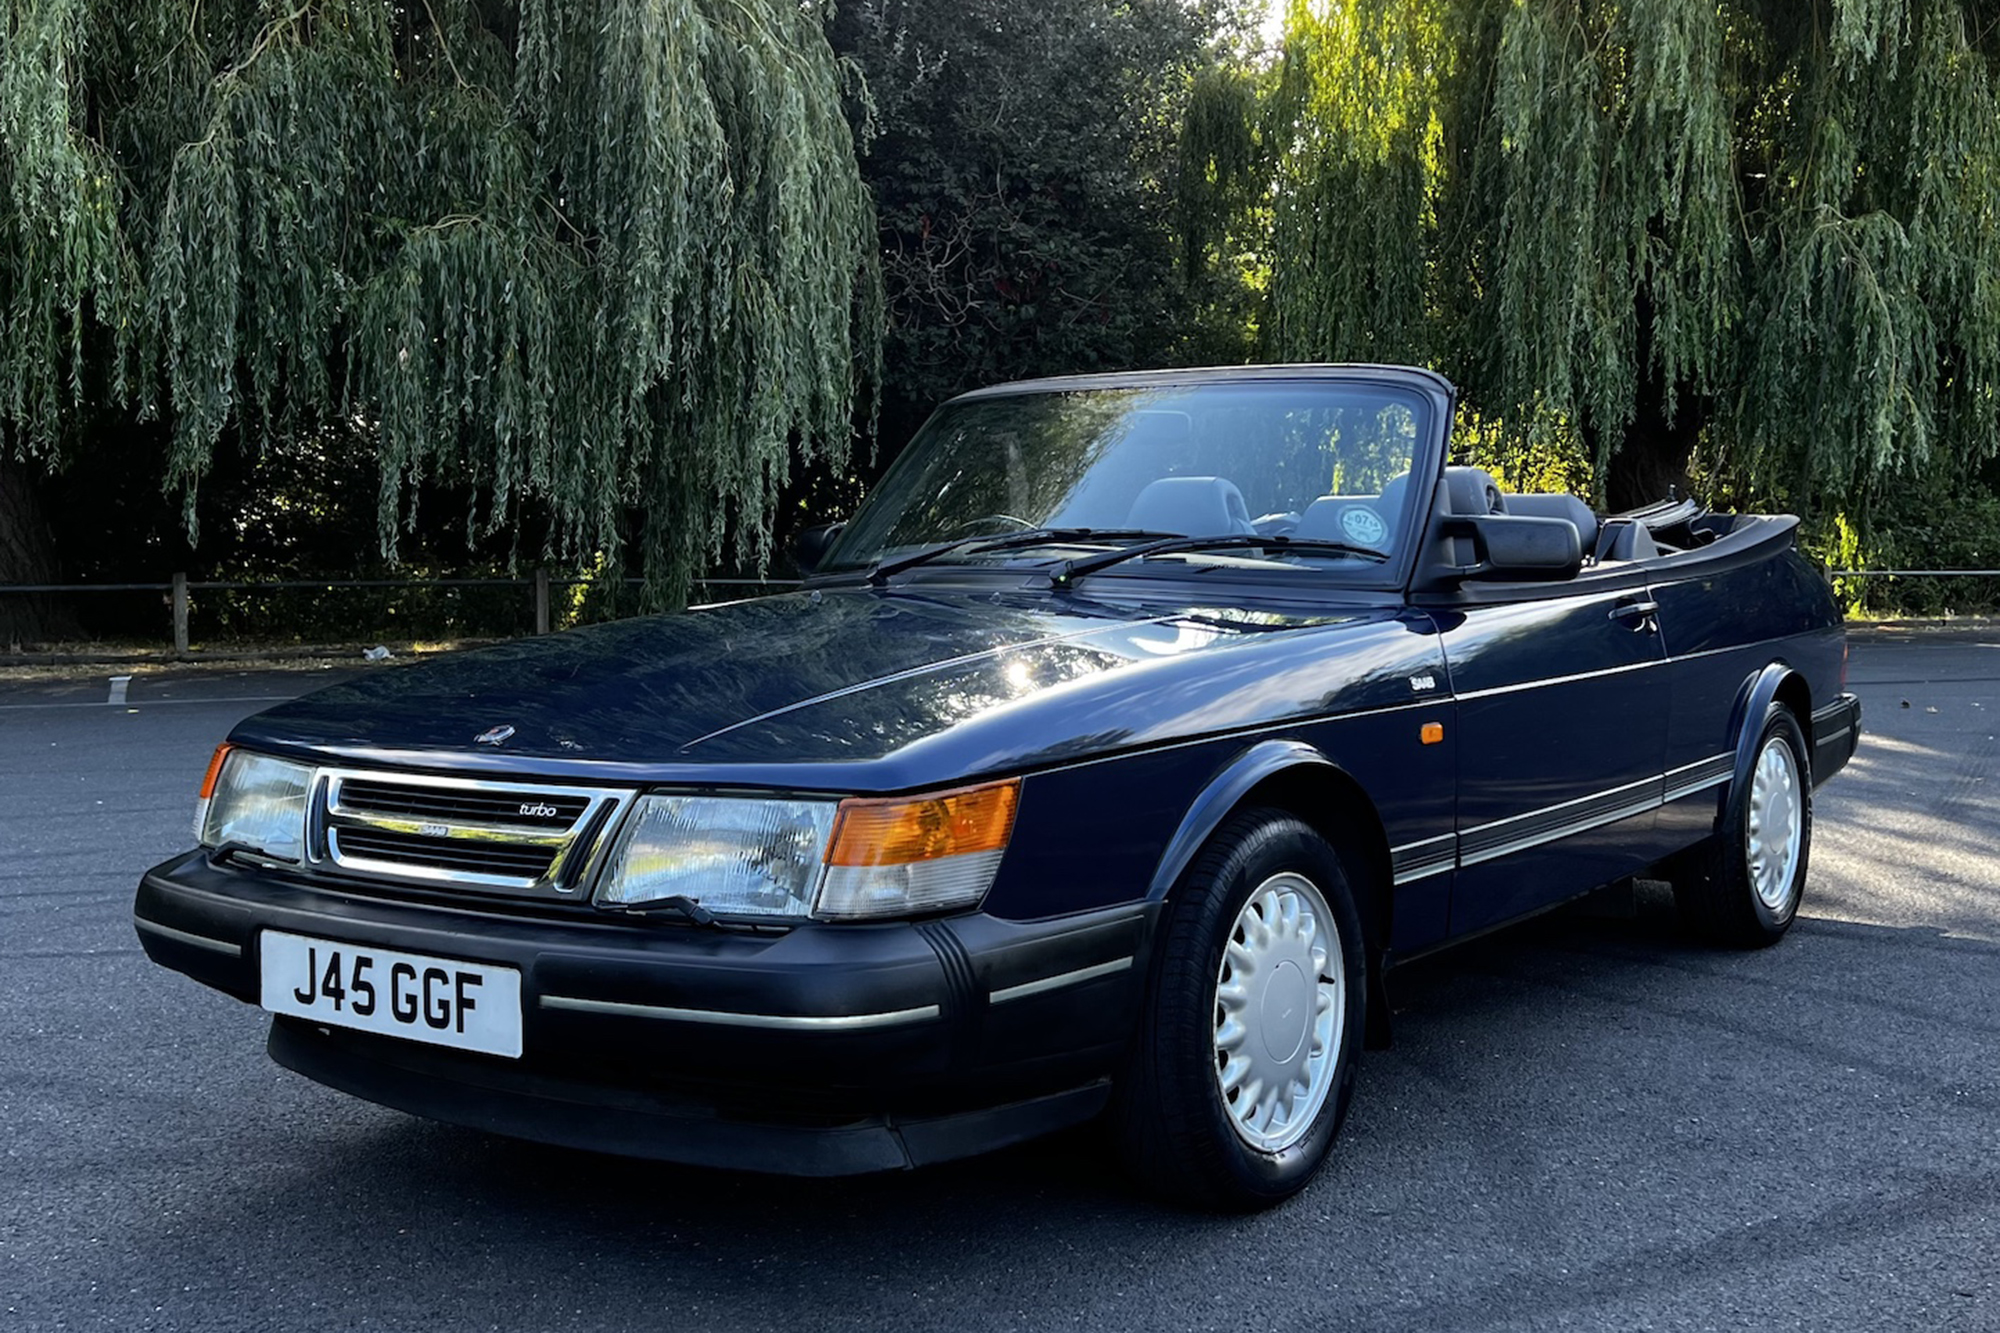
{"points": [[861, 859], [256, 801], [730, 854]]}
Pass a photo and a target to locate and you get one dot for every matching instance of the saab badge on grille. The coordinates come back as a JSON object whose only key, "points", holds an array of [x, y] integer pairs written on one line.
{"points": [[493, 736]]}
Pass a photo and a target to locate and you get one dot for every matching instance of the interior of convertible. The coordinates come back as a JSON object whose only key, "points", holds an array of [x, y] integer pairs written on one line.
{"points": [[1323, 463], [1246, 473], [1216, 505], [1666, 528]]}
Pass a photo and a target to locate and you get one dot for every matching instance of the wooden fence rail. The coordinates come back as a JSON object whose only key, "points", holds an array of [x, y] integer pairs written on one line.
{"points": [[180, 587]]}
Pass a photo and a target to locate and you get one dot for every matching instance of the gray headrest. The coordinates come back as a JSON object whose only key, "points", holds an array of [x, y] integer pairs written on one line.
{"points": [[1472, 491], [1191, 506], [1559, 506]]}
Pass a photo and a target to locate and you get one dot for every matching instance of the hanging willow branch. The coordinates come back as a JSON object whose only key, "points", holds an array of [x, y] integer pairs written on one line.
{"points": [[1771, 225], [609, 255]]}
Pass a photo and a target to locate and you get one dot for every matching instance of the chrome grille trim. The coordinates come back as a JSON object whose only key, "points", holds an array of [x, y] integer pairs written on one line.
{"points": [[479, 844]]}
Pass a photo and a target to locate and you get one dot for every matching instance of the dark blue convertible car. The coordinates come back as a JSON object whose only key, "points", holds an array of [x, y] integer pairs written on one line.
{"points": [[1107, 764]]}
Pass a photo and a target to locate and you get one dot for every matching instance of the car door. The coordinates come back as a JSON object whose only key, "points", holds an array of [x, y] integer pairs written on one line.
{"points": [[1562, 722]]}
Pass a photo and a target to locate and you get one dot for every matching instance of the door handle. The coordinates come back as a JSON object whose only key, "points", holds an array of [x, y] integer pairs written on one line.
{"points": [[1641, 611]]}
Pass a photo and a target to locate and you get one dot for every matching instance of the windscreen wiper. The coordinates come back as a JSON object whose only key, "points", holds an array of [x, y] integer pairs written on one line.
{"points": [[1002, 542], [1071, 570]]}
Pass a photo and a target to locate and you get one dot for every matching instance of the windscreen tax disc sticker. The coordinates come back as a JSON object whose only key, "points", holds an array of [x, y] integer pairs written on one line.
{"points": [[1363, 526]]}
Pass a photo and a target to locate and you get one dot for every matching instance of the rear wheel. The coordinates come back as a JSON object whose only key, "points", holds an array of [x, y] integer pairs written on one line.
{"points": [[1242, 1073], [1745, 888]]}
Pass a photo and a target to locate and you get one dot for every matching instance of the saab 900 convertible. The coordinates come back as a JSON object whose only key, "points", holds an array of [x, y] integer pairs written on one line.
{"points": [[1114, 752]]}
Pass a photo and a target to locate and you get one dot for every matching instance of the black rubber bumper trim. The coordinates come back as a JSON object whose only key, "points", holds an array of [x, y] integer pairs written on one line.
{"points": [[1836, 731], [514, 1102], [188, 937], [832, 977], [890, 1018]]}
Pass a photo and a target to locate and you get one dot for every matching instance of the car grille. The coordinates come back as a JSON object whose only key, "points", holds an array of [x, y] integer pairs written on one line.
{"points": [[487, 807], [522, 838]]}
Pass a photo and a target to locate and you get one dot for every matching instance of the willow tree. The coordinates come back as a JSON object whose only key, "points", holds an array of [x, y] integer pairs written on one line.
{"points": [[1767, 230], [608, 256]]}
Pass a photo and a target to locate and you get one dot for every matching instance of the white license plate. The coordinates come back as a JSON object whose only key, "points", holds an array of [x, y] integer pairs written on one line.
{"points": [[443, 1001]]}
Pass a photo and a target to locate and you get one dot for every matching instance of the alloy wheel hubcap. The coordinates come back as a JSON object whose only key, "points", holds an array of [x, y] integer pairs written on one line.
{"points": [[1280, 1011], [1771, 838]]}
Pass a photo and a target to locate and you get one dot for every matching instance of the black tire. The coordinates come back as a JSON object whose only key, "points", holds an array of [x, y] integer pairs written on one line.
{"points": [[1175, 1131], [1716, 888]]}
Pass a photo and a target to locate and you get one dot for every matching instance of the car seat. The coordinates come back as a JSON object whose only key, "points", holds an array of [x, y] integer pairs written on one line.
{"points": [[1559, 506], [1193, 506]]}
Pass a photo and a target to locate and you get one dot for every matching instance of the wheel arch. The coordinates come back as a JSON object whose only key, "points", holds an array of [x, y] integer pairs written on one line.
{"points": [[1301, 780], [1777, 682]]}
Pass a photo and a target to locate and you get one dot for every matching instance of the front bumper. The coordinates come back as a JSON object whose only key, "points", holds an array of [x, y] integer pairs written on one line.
{"points": [[823, 1050]]}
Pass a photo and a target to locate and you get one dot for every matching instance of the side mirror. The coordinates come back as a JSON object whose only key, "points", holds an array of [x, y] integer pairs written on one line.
{"points": [[1518, 549], [813, 544]]}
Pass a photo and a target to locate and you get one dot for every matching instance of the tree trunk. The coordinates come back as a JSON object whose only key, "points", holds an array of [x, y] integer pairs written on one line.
{"points": [[1651, 462], [26, 556]]}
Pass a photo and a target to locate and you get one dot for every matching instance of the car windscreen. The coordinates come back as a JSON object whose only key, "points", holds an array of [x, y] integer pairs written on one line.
{"points": [[1322, 462]]}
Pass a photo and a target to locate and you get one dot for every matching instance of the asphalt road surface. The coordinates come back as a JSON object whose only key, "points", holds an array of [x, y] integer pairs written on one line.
{"points": [[1585, 1123]]}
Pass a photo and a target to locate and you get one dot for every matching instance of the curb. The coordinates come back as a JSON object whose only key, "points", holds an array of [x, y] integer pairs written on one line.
{"points": [[343, 654]]}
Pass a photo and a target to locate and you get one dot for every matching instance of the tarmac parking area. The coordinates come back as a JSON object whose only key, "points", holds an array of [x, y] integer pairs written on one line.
{"points": [[1586, 1122]]}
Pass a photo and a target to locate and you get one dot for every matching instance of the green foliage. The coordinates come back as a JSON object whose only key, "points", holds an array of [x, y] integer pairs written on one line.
{"points": [[65, 268], [1550, 459], [1935, 520], [1354, 117], [610, 259], [1768, 226], [1222, 212], [1022, 157]]}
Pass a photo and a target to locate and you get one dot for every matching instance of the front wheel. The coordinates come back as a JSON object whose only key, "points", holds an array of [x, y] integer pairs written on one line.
{"points": [[1745, 888], [1242, 1073]]}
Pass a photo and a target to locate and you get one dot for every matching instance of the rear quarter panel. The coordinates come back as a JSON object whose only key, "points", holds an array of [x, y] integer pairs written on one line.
{"points": [[1725, 619]]}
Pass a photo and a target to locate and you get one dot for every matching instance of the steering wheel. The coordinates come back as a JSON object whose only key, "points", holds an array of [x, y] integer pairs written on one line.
{"points": [[1020, 523]]}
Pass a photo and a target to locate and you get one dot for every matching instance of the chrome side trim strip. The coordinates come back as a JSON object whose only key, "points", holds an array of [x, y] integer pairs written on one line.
{"points": [[1061, 979], [1420, 860], [1560, 805], [1425, 870], [1669, 660], [1699, 776], [188, 937], [1520, 686], [1561, 831], [730, 1019], [1690, 788], [1533, 828]]}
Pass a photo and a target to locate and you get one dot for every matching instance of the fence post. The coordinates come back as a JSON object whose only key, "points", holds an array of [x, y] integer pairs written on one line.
{"points": [[541, 601], [180, 614]]}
